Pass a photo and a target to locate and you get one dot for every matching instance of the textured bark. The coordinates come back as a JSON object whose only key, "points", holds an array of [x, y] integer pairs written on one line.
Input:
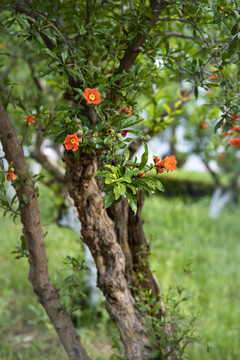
{"points": [[99, 235], [119, 214], [139, 249], [30, 217]]}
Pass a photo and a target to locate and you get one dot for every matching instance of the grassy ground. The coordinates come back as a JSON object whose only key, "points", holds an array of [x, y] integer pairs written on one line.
{"points": [[182, 230], [178, 230]]}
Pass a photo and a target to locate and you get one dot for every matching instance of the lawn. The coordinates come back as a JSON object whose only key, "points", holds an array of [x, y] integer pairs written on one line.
{"points": [[179, 230]]}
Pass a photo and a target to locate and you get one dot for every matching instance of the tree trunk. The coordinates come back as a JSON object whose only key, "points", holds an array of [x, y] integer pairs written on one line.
{"points": [[99, 235], [30, 217], [140, 249]]}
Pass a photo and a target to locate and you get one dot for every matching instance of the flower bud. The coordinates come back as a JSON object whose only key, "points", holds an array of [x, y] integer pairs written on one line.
{"points": [[159, 170], [118, 135], [79, 133], [157, 159]]}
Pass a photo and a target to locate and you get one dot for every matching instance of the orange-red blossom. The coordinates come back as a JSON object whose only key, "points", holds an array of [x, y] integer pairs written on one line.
{"points": [[10, 175], [92, 96], [169, 163], [29, 119], [71, 142], [235, 142], [126, 110]]}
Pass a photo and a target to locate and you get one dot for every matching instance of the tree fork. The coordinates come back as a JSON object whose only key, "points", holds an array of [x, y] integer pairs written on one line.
{"points": [[33, 233], [99, 235]]}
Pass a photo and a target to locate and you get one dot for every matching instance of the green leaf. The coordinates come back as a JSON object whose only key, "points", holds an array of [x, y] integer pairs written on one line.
{"points": [[52, 54], [108, 199], [167, 108], [144, 158], [109, 181], [104, 173], [114, 169], [130, 186], [218, 125], [50, 35], [140, 134], [153, 354], [64, 54], [65, 78], [234, 30], [126, 155], [155, 182], [232, 48], [126, 179], [131, 173], [119, 190], [196, 92], [132, 201]]}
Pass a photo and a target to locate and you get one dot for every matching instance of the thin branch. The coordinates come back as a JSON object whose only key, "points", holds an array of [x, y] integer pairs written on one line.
{"points": [[25, 134], [212, 172], [179, 35], [35, 79], [118, 42], [10, 210], [133, 49], [8, 99]]}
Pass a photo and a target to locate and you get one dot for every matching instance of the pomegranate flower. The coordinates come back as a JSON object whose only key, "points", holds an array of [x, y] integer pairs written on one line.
{"points": [[71, 142], [125, 132], [169, 163], [126, 110], [29, 119], [214, 76], [203, 125], [10, 175], [235, 142], [92, 96]]}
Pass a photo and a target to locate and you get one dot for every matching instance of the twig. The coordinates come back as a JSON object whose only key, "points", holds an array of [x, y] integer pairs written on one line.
{"points": [[25, 134], [119, 38], [8, 99], [10, 210], [179, 35]]}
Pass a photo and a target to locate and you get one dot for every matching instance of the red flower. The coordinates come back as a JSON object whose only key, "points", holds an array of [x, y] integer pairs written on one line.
{"points": [[227, 134], [29, 119], [10, 175], [141, 174], [214, 76], [235, 142], [157, 159], [203, 125], [236, 117], [125, 132], [151, 306], [159, 170], [92, 96], [235, 128], [169, 163], [126, 110], [71, 142]]}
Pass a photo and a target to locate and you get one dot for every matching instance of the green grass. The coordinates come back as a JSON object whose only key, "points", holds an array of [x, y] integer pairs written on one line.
{"points": [[25, 331], [178, 229], [182, 230]]}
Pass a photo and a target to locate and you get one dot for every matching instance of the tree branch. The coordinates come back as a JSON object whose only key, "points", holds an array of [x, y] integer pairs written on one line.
{"points": [[133, 49], [33, 233]]}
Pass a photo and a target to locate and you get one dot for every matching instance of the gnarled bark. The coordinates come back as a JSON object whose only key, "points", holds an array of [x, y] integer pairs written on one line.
{"points": [[30, 217], [140, 248], [99, 235]]}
